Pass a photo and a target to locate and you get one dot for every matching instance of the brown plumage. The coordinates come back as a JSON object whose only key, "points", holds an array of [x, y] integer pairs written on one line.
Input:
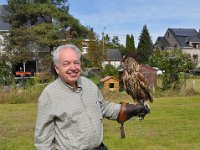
{"points": [[134, 81]]}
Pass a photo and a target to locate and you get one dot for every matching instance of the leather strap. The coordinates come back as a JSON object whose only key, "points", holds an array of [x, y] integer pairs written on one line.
{"points": [[122, 117]]}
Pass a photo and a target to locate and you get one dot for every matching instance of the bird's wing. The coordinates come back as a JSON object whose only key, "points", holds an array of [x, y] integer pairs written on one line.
{"points": [[144, 85], [133, 87]]}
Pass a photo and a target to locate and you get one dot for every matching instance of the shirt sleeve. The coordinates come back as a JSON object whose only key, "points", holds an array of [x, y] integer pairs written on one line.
{"points": [[44, 129], [110, 110]]}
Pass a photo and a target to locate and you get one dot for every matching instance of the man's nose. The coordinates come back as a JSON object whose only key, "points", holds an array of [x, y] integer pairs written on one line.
{"points": [[72, 66]]}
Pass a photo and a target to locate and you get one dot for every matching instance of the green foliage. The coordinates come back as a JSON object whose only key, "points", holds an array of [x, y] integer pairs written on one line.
{"points": [[172, 62], [110, 70], [145, 46], [6, 76], [111, 43], [130, 44], [85, 63], [115, 41], [38, 25], [95, 54]]}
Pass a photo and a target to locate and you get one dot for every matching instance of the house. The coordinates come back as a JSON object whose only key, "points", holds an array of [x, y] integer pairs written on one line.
{"points": [[85, 45], [4, 27], [110, 83], [188, 40], [37, 54], [150, 74], [113, 57]]}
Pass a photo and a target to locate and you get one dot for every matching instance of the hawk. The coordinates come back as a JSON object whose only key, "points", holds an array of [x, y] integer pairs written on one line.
{"points": [[135, 83]]}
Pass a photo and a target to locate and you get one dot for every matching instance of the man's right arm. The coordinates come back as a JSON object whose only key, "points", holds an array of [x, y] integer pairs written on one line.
{"points": [[44, 129]]}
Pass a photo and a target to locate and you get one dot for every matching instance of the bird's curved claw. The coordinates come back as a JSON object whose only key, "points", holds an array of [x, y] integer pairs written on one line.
{"points": [[144, 112]]}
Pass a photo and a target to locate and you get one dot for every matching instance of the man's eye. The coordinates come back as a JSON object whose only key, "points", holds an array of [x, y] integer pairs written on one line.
{"points": [[66, 64], [77, 63]]}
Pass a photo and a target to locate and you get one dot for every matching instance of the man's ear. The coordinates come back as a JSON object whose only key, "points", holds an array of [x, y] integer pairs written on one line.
{"points": [[56, 68]]}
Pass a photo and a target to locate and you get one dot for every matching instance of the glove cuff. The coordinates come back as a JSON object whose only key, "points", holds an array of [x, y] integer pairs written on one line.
{"points": [[121, 116]]}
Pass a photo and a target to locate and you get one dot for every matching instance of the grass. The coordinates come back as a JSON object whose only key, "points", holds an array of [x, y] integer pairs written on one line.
{"points": [[18, 96], [17, 126], [173, 124]]}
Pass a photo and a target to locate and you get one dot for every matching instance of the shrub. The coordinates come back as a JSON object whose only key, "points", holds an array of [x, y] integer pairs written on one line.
{"points": [[110, 70]]}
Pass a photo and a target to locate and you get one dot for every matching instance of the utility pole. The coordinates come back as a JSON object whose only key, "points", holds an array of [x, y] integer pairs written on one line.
{"points": [[103, 39]]}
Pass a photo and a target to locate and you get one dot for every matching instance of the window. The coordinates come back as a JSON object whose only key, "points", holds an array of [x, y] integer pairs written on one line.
{"points": [[111, 85], [195, 57], [195, 45]]}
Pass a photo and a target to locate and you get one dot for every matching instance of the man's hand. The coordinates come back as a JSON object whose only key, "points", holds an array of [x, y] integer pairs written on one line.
{"points": [[127, 111]]}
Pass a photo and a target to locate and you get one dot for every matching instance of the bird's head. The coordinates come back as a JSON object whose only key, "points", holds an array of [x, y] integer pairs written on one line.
{"points": [[129, 64]]}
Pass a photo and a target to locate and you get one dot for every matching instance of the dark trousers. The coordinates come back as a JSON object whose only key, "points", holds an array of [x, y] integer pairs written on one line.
{"points": [[101, 147]]}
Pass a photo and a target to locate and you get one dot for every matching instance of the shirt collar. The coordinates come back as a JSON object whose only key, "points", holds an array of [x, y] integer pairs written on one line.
{"points": [[79, 84]]}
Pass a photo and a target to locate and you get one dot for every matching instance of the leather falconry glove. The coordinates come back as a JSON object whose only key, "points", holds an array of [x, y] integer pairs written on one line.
{"points": [[127, 111]]}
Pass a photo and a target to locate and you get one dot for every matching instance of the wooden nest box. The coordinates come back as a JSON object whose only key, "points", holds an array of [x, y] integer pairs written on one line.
{"points": [[110, 83]]}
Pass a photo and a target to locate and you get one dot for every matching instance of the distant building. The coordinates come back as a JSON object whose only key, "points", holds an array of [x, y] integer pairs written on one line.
{"points": [[150, 74], [85, 45], [4, 27], [36, 62], [113, 57], [188, 40]]}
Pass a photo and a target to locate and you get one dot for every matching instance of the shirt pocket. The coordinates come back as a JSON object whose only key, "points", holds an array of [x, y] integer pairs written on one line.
{"points": [[97, 110]]}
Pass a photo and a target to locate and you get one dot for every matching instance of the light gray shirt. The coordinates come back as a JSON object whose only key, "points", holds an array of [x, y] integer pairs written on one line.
{"points": [[72, 119]]}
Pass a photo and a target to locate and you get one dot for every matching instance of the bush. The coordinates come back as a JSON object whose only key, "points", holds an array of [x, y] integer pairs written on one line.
{"points": [[110, 70]]}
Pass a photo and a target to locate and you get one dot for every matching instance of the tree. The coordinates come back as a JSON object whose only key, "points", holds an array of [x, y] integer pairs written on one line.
{"points": [[145, 46], [172, 62], [95, 53], [132, 46], [127, 42], [115, 42], [130, 43], [40, 24]]}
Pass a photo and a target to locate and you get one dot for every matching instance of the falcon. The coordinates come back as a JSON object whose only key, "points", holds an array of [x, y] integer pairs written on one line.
{"points": [[135, 83]]}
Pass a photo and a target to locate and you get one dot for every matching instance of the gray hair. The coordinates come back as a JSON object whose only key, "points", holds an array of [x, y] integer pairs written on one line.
{"points": [[57, 51]]}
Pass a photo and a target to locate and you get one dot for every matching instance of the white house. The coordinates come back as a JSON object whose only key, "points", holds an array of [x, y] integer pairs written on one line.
{"points": [[113, 57]]}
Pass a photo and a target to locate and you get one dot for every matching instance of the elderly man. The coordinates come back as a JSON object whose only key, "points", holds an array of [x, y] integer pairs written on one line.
{"points": [[71, 109]]}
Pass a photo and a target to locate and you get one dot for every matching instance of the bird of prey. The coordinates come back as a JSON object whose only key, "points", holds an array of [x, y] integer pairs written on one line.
{"points": [[135, 83]]}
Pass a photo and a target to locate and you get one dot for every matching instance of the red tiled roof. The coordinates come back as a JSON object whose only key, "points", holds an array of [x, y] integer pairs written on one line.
{"points": [[107, 78]]}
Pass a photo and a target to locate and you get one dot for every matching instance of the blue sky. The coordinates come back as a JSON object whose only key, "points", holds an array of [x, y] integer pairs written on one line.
{"points": [[121, 17]]}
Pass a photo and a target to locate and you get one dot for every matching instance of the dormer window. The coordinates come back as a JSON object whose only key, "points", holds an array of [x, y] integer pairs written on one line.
{"points": [[195, 45]]}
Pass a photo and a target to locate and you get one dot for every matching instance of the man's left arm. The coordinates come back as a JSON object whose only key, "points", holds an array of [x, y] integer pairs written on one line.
{"points": [[121, 112]]}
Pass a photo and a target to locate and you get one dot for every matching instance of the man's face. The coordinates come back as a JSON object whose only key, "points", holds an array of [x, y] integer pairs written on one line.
{"points": [[68, 66]]}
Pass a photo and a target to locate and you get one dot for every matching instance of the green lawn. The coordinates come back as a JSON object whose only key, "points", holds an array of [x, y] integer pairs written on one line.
{"points": [[174, 124]]}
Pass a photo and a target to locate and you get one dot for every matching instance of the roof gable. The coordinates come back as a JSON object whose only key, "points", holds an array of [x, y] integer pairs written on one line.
{"points": [[193, 39], [163, 41], [107, 78], [183, 35], [183, 32], [113, 54]]}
